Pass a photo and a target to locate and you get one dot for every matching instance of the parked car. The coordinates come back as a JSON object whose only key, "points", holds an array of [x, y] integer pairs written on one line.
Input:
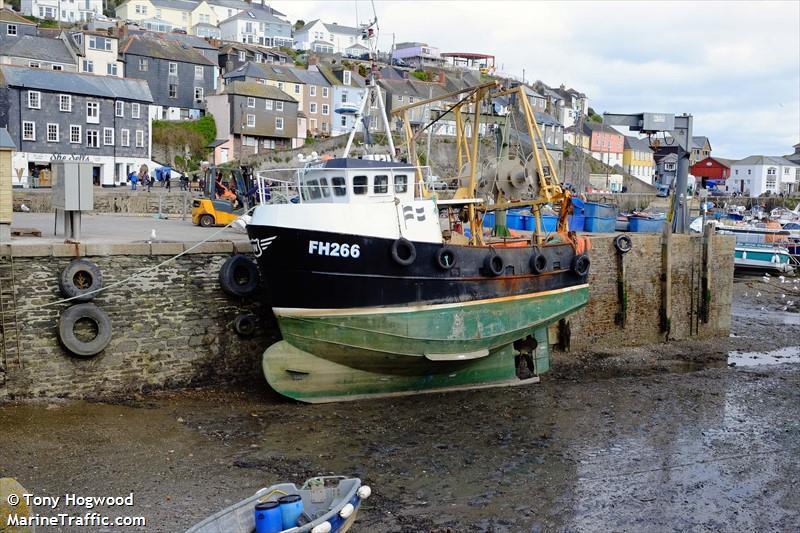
{"points": [[399, 63]]}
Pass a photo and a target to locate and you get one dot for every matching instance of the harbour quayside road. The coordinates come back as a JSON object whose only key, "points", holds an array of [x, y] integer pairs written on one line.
{"points": [[598, 446]]}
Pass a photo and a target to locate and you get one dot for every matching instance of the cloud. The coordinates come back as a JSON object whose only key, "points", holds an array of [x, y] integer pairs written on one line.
{"points": [[734, 65]]}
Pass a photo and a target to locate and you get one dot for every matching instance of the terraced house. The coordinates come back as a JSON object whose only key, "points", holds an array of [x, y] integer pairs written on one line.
{"points": [[179, 76], [64, 115], [252, 118]]}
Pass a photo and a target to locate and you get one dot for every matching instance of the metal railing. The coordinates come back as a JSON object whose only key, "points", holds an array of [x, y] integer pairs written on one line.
{"points": [[288, 183]]}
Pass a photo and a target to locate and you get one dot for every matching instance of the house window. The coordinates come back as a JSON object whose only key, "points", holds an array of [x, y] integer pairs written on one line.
{"points": [[259, 57], [344, 120], [280, 85], [11, 29], [125, 137], [173, 90], [312, 107], [75, 134], [93, 42], [312, 90], [251, 121], [135, 110], [34, 100], [242, 56], [142, 64], [198, 73], [173, 68], [325, 109], [296, 88], [198, 94], [52, 133], [410, 99], [28, 131], [139, 138], [324, 92], [251, 102], [278, 123], [111, 69], [56, 66], [88, 65], [346, 77], [278, 105], [33, 64], [108, 136], [119, 109], [93, 112], [268, 105], [325, 126], [65, 103], [92, 139], [344, 96], [400, 98]]}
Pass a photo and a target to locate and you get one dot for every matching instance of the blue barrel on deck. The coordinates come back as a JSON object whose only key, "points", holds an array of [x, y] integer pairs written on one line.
{"points": [[515, 220], [268, 517], [291, 509], [598, 210], [488, 220]]}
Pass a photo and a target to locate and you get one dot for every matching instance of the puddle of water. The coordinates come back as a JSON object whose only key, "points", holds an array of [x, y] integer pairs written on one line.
{"points": [[790, 354]]}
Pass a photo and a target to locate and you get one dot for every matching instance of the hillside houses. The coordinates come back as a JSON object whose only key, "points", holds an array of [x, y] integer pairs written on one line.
{"points": [[326, 38]]}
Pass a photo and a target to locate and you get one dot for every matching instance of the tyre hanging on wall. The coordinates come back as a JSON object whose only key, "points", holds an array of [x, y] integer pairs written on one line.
{"points": [[493, 265], [445, 258], [239, 277], [245, 325], [623, 244], [83, 347], [79, 279]]}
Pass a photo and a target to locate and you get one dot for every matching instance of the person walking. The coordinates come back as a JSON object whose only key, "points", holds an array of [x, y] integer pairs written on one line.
{"points": [[166, 176], [133, 179], [144, 177]]}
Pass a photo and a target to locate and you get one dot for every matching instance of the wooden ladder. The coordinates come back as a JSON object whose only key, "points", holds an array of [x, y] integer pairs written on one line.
{"points": [[9, 329]]}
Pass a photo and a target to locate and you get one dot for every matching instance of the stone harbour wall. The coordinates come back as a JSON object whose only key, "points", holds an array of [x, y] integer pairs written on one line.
{"points": [[598, 325], [119, 200], [171, 327]]}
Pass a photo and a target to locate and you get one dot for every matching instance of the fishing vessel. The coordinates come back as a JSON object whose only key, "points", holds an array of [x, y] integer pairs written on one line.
{"points": [[380, 287]]}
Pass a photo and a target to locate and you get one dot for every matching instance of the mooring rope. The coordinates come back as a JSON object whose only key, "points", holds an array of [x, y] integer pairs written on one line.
{"points": [[144, 270]]}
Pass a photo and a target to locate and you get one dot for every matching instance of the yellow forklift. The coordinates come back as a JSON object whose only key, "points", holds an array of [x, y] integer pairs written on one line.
{"points": [[224, 200]]}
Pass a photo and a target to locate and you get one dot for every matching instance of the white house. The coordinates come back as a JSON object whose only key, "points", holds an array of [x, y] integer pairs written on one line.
{"points": [[75, 11], [332, 38], [758, 174], [256, 26], [97, 53]]}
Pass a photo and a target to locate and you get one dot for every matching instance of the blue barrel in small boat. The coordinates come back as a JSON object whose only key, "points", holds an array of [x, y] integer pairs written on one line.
{"points": [[268, 517], [291, 509]]}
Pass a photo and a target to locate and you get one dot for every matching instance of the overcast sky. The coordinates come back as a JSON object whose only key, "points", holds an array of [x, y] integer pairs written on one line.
{"points": [[735, 66]]}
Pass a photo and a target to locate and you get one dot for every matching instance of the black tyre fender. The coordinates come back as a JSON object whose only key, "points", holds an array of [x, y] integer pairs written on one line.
{"points": [[79, 278], [446, 258], [538, 262], [66, 330], [623, 244], [239, 276], [404, 252], [493, 264], [580, 265], [245, 325]]}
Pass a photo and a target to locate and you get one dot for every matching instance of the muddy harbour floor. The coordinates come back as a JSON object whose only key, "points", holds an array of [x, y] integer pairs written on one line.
{"points": [[691, 436]]}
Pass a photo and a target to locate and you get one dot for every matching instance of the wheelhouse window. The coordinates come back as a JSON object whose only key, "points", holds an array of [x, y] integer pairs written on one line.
{"points": [[323, 185], [339, 186], [313, 190], [360, 185], [400, 183], [380, 185]]}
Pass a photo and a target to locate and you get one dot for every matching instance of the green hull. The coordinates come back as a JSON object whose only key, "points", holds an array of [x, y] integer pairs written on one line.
{"points": [[346, 355]]}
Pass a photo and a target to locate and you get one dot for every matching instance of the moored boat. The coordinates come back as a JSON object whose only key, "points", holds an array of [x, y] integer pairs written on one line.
{"points": [[381, 288], [327, 504]]}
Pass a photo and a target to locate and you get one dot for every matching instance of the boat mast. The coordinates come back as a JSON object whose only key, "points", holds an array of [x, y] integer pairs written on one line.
{"points": [[369, 33]]}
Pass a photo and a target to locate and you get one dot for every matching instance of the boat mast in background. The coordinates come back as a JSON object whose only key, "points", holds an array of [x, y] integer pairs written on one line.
{"points": [[373, 94]]}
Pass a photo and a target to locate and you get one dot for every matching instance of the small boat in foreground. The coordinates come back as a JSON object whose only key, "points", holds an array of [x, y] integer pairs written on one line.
{"points": [[327, 504]]}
